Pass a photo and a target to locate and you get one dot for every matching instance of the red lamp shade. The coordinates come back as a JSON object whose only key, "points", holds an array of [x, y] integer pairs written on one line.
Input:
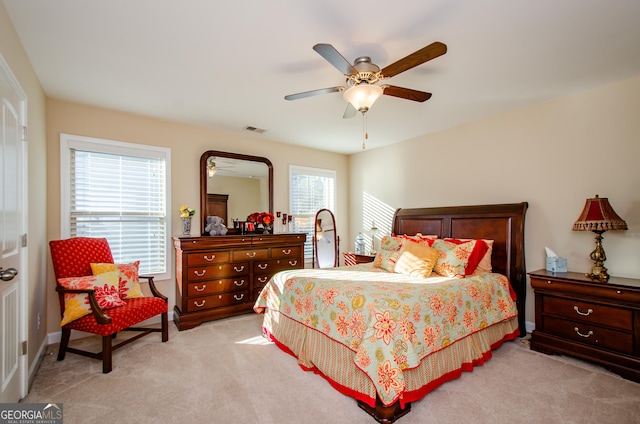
{"points": [[598, 215]]}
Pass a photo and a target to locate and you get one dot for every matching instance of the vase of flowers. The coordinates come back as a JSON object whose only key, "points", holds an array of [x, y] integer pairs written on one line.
{"points": [[262, 219], [186, 213]]}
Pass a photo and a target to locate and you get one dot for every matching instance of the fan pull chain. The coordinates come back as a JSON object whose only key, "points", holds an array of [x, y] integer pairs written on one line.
{"points": [[365, 134]]}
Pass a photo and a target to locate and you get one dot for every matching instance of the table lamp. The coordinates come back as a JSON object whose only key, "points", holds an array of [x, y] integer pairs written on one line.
{"points": [[598, 216]]}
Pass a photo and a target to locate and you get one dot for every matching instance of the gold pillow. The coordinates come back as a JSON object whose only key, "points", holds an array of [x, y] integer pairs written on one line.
{"points": [[416, 259]]}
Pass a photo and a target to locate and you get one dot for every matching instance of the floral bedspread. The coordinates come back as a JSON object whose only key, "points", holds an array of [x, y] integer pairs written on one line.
{"points": [[390, 321]]}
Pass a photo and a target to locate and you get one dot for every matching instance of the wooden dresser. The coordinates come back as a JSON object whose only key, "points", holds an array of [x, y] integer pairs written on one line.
{"points": [[598, 322], [221, 276]]}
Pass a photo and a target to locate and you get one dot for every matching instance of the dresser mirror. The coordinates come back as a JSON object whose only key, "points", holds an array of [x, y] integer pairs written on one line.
{"points": [[325, 240], [233, 186]]}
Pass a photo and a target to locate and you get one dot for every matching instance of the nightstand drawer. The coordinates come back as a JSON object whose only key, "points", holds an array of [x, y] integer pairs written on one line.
{"points": [[589, 313], [589, 334]]}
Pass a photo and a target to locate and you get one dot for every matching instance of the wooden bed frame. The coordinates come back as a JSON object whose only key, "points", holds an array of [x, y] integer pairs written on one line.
{"points": [[503, 223]]}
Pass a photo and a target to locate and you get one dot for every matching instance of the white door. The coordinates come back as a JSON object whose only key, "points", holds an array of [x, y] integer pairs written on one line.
{"points": [[12, 226]]}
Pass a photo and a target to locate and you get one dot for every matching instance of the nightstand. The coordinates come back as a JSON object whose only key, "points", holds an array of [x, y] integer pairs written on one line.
{"points": [[593, 321], [354, 258]]}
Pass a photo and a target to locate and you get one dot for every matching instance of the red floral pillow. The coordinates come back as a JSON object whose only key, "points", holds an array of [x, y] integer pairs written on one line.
{"points": [[129, 282], [485, 262], [457, 258], [105, 287]]}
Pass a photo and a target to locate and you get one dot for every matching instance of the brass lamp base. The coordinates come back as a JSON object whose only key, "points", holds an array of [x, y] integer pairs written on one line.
{"points": [[598, 271]]}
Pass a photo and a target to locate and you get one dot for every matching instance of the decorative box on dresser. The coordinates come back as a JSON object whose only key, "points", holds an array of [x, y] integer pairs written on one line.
{"points": [[590, 320], [222, 276]]}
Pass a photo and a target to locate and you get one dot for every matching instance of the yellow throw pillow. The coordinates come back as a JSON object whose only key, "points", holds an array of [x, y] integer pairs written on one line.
{"points": [[416, 259], [129, 285], [105, 287]]}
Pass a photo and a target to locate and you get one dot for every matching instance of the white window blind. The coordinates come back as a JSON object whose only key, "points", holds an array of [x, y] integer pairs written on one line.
{"points": [[311, 189], [119, 191]]}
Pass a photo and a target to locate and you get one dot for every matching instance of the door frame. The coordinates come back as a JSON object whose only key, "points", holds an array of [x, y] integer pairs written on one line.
{"points": [[23, 336]]}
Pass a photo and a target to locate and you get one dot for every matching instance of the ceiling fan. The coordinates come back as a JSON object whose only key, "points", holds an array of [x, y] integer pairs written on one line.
{"points": [[361, 89]]}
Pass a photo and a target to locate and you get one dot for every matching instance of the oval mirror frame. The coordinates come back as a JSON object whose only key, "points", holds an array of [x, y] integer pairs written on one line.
{"points": [[325, 240], [204, 178]]}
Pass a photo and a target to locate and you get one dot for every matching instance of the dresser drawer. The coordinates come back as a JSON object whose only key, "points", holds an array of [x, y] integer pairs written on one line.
{"points": [[272, 266], [216, 301], [207, 258], [588, 312], [286, 252], [260, 280], [217, 286], [589, 334], [250, 254], [218, 271]]}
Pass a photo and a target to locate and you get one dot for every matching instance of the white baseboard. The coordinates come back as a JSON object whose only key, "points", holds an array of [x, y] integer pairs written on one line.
{"points": [[36, 363], [530, 326], [54, 338]]}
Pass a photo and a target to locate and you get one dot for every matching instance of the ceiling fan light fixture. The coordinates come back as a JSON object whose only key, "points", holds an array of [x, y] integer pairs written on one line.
{"points": [[362, 96]]}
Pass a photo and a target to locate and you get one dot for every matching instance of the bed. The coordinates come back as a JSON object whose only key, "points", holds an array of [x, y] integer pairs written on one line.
{"points": [[387, 339]]}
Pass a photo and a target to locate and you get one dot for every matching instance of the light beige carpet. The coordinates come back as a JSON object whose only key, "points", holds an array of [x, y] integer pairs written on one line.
{"points": [[225, 372]]}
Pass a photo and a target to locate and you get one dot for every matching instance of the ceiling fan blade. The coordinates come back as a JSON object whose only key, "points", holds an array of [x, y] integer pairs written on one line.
{"points": [[349, 112], [419, 57], [313, 93], [335, 58], [406, 93]]}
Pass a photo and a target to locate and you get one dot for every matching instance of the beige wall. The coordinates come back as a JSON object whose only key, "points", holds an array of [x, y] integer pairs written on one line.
{"points": [[15, 56], [553, 155], [187, 143]]}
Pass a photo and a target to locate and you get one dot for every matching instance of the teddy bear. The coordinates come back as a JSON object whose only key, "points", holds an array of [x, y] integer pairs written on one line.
{"points": [[215, 226]]}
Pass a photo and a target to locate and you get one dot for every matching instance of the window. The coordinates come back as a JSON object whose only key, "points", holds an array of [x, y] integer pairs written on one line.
{"points": [[118, 191], [311, 189]]}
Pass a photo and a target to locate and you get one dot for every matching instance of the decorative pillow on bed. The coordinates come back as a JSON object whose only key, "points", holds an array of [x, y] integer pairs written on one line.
{"points": [[457, 260], [386, 259], [416, 259], [394, 242], [129, 284], [485, 263], [390, 243], [105, 287]]}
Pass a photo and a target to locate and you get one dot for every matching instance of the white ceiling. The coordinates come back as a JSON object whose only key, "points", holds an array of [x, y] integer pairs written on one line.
{"points": [[229, 65]]}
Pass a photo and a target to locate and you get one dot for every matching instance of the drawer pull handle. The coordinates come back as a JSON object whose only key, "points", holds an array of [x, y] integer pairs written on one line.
{"points": [[204, 286], [263, 279], [204, 271], [209, 258], [293, 263], [239, 270], [286, 251], [239, 283], [251, 254], [200, 305], [584, 314], [586, 336], [236, 297], [263, 266]]}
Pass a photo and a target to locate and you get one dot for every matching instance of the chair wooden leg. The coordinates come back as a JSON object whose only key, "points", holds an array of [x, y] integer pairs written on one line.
{"points": [[165, 327], [64, 343], [106, 354]]}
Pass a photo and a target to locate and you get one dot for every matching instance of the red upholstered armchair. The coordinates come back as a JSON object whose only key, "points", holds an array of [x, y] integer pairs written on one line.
{"points": [[106, 303]]}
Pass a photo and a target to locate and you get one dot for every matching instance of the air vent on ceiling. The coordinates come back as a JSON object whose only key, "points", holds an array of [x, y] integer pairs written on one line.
{"points": [[254, 129]]}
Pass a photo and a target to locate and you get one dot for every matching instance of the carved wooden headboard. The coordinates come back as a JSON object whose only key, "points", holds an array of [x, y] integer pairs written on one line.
{"points": [[503, 223]]}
